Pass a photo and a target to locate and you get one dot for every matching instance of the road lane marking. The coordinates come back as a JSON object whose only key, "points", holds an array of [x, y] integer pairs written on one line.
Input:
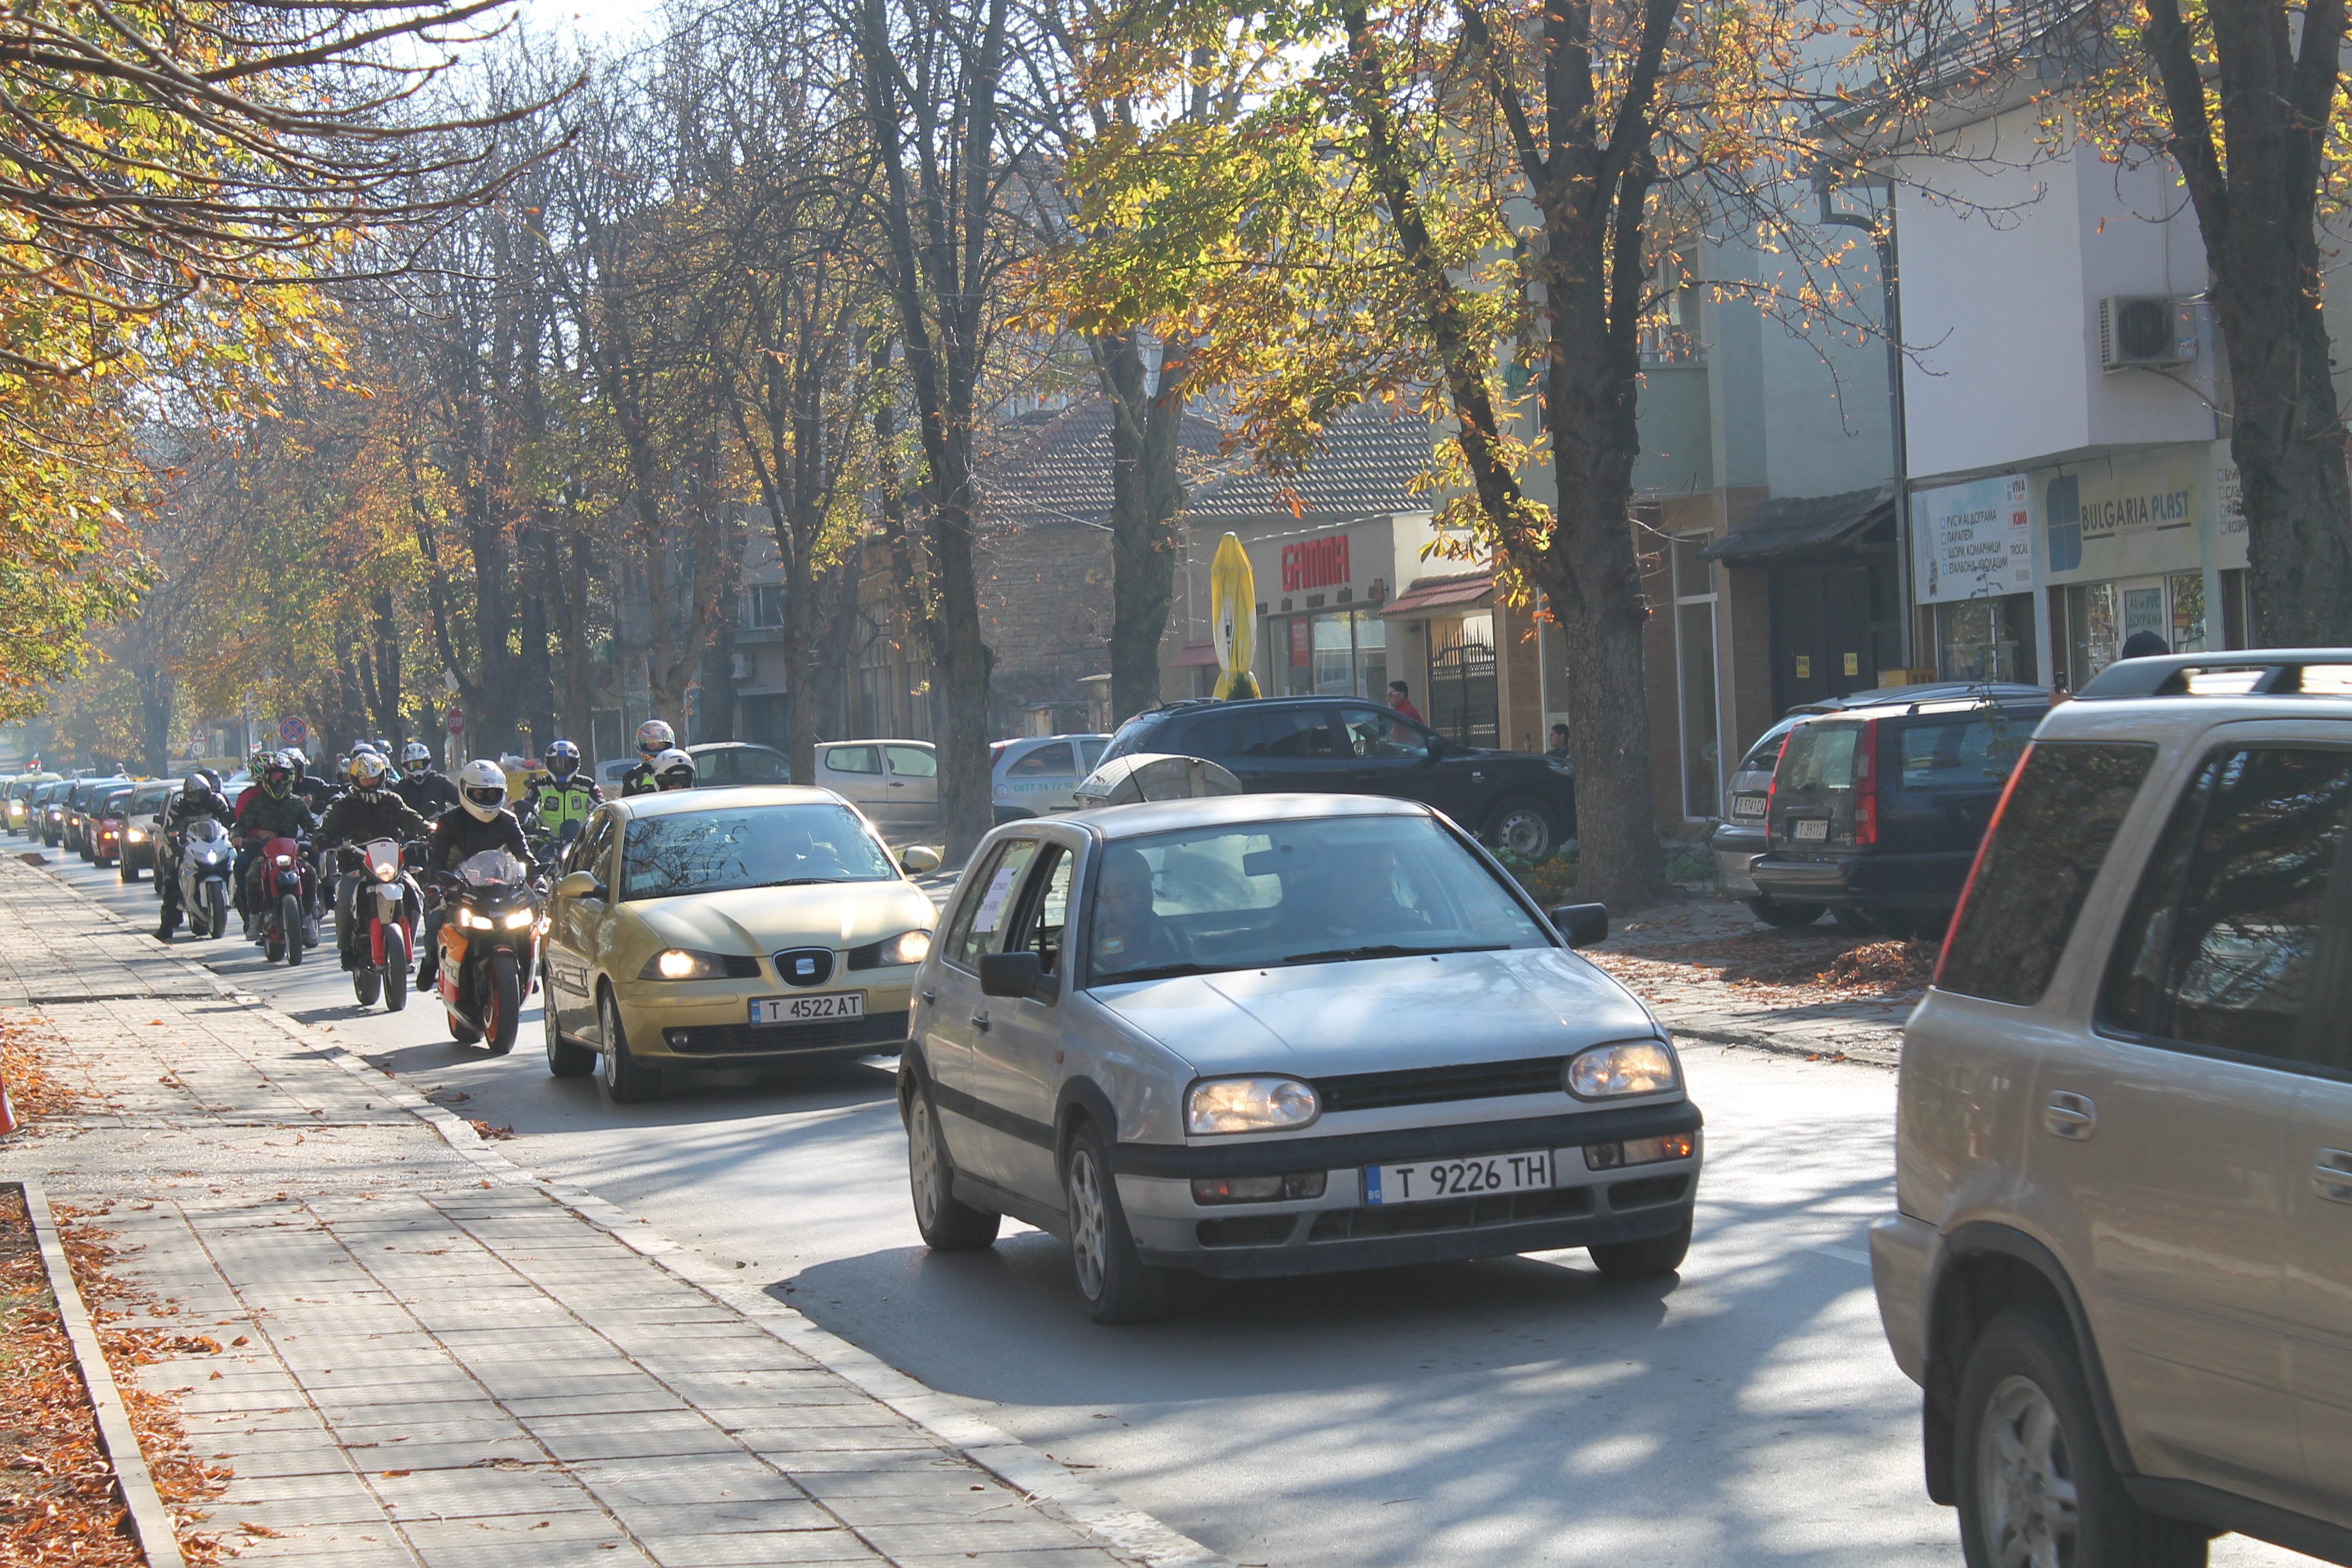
{"points": [[1848, 1253]]}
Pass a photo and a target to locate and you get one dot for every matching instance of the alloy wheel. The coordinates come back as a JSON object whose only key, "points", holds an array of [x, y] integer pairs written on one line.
{"points": [[2024, 1476], [1089, 1223], [923, 1161]]}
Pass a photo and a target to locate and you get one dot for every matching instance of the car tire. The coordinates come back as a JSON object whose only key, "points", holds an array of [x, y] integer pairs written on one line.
{"points": [[566, 1057], [1787, 917], [626, 1081], [1526, 827], [948, 1224], [127, 871], [2025, 1435], [1645, 1259], [1112, 1280]]}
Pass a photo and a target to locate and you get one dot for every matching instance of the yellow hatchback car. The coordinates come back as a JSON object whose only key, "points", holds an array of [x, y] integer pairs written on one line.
{"points": [[728, 927]]}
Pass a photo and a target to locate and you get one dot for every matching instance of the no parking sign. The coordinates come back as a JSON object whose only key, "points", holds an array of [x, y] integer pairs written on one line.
{"points": [[293, 731]]}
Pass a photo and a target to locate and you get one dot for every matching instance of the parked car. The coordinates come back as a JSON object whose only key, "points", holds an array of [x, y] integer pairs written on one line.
{"points": [[2122, 1254], [1517, 800], [17, 800], [143, 821], [698, 928], [609, 772], [1740, 837], [1282, 1034], [894, 783], [1875, 813], [102, 838], [1035, 774], [739, 762], [81, 804]]}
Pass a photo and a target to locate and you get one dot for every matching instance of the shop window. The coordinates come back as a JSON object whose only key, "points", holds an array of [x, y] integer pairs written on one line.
{"points": [[1985, 640], [2100, 617]]}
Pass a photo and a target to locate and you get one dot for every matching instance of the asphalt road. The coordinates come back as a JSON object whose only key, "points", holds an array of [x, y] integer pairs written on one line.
{"points": [[1483, 1415]]}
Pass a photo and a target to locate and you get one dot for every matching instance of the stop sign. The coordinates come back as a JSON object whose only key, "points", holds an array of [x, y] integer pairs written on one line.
{"points": [[456, 720]]}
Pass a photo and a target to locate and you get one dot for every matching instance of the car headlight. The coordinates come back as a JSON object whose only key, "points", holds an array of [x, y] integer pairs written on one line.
{"points": [[136, 835], [520, 918], [1249, 1105], [1629, 1067], [680, 963], [909, 947]]}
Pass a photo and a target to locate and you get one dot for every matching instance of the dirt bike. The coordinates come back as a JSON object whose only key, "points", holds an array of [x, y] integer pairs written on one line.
{"points": [[490, 948], [384, 908]]}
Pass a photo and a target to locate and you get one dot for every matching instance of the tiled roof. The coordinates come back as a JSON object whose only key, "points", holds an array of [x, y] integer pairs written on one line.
{"points": [[1061, 471], [1368, 461]]}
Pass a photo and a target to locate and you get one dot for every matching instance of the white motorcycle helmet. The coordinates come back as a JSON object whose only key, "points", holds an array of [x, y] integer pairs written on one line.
{"points": [[673, 769], [414, 755], [654, 738], [482, 786]]}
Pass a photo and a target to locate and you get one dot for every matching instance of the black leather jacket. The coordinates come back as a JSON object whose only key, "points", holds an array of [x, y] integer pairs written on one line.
{"points": [[186, 808], [428, 793], [359, 815], [459, 835]]}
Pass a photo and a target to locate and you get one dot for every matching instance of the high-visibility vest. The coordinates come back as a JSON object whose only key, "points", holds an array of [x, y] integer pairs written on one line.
{"points": [[562, 803]]}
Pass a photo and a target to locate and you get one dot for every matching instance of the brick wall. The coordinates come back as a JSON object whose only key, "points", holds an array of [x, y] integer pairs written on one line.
{"points": [[1044, 613]]}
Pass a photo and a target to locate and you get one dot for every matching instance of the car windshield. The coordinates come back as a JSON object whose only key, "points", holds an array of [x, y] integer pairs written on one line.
{"points": [[726, 849], [148, 801], [1265, 894]]}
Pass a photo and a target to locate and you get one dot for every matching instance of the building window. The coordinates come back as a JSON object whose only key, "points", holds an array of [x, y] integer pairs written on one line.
{"points": [[1990, 638], [761, 605], [2100, 617], [1342, 653], [1693, 583]]}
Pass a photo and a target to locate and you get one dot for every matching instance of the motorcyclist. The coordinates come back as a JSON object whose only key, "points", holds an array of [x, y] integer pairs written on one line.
{"points": [[316, 793], [673, 769], [199, 797], [654, 738], [272, 809], [368, 811], [427, 791], [480, 822], [565, 794]]}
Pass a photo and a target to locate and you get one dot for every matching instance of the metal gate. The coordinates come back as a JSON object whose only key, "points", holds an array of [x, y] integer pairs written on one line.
{"points": [[1462, 698]]}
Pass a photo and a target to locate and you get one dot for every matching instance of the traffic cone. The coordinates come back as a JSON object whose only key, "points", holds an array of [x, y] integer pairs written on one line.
{"points": [[9, 1122]]}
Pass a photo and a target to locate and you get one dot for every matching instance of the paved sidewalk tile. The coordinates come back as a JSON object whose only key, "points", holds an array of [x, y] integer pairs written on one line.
{"points": [[427, 1361]]}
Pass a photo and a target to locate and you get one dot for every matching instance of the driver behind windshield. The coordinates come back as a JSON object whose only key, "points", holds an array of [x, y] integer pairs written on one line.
{"points": [[1128, 933], [1356, 897]]}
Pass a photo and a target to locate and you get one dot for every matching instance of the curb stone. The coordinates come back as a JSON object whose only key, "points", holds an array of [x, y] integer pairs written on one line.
{"points": [[150, 1521], [1043, 1480]]}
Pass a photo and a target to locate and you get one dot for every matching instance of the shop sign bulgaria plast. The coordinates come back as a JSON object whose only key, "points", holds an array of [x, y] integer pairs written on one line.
{"points": [[2121, 518], [1973, 540]]}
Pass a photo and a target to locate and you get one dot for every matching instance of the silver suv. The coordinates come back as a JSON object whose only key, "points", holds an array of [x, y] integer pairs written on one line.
{"points": [[2122, 1265]]}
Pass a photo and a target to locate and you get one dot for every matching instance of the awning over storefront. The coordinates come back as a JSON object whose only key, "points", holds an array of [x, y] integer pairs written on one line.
{"points": [[1786, 525], [1194, 653], [1424, 594]]}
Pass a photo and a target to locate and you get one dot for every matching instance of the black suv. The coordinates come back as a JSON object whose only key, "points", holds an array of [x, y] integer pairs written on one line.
{"points": [[1339, 745], [1875, 811]]}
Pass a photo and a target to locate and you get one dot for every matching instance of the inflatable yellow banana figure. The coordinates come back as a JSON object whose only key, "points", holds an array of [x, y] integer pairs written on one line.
{"points": [[1232, 610]]}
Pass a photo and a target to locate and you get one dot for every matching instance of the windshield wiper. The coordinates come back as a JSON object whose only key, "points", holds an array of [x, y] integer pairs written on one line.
{"points": [[1388, 950], [1164, 971], [802, 882]]}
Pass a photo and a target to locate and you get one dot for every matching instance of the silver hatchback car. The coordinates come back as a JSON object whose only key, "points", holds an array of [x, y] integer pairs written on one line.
{"points": [[1268, 1034]]}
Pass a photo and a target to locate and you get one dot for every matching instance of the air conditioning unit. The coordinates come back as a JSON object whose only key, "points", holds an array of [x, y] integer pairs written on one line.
{"points": [[739, 665], [2152, 331]]}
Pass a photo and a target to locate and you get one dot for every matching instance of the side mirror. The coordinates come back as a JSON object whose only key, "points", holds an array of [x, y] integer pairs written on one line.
{"points": [[1018, 975], [1581, 924], [919, 859], [580, 885]]}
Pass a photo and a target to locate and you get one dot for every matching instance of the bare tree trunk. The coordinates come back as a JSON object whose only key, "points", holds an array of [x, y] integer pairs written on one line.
{"points": [[1146, 494], [2258, 217]]}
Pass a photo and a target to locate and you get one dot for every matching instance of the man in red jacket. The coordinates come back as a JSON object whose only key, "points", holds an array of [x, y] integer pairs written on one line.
{"points": [[1400, 699]]}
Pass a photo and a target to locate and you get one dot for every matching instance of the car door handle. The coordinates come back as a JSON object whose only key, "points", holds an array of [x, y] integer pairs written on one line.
{"points": [[2332, 1177], [2071, 1115], [897, 783], [980, 1022], [930, 995]]}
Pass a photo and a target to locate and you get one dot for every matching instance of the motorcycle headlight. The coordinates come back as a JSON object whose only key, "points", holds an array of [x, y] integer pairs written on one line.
{"points": [[1629, 1067], [1249, 1105], [519, 918], [285, 859], [679, 964], [386, 873], [477, 923], [909, 947]]}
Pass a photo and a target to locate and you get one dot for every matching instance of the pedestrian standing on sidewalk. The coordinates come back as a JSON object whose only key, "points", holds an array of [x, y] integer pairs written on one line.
{"points": [[1401, 699]]}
